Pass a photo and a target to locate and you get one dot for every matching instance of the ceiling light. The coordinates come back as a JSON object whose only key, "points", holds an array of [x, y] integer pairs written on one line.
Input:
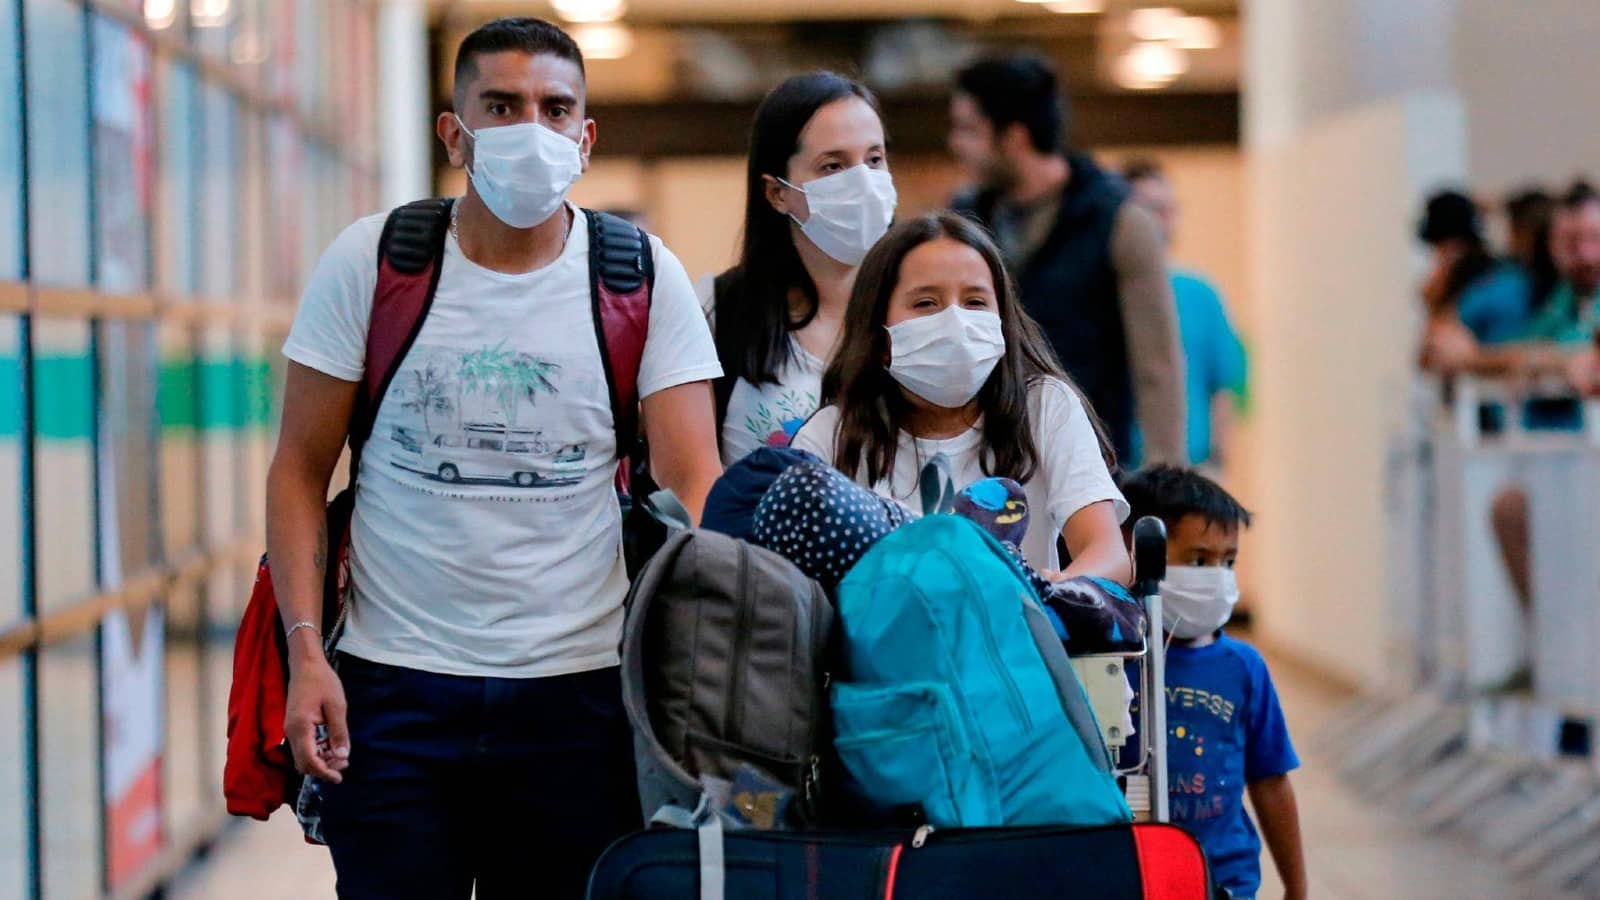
{"points": [[160, 14], [1155, 23], [1198, 33], [1150, 65], [603, 41], [1075, 7], [210, 13], [590, 10]]}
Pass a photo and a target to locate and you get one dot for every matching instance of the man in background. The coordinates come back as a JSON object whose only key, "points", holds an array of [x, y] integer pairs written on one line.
{"points": [[1090, 266], [1215, 359]]}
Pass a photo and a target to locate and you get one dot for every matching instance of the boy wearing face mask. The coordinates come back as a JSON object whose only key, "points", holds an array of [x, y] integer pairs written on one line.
{"points": [[1225, 728]]}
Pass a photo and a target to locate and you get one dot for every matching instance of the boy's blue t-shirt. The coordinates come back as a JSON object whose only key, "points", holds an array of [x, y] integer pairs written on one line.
{"points": [[1225, 729]]}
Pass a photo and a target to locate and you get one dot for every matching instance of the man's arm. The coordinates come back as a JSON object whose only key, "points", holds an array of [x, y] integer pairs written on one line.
{"points": [[316, 417], [680, 424], [1273, 799], [1450, 348], [1150, 321]]}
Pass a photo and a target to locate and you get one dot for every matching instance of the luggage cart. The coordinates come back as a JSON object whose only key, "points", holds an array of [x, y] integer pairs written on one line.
{"points": [[1105, 678]]}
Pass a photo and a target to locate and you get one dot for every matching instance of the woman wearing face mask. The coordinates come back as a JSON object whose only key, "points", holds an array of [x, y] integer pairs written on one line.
{"points": [[938, 357], [818, 196]]}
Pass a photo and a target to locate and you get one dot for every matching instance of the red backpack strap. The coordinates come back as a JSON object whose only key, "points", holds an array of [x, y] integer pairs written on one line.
{"points": [[410, 257], [621, 278]]}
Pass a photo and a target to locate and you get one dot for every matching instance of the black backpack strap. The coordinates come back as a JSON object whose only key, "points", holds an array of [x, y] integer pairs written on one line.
{"points": [[410, 258], [621, 282]]}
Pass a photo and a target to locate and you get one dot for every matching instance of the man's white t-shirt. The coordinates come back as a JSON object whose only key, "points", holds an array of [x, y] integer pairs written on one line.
{"points": [[1071, 473], [487, 534]]}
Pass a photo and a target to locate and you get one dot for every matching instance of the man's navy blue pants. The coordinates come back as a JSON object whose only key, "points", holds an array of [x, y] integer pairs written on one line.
{"points": [[514, 786]]}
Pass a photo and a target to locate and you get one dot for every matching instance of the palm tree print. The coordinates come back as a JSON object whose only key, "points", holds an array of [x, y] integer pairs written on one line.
{"points": [[432, 393], [507, 376]]}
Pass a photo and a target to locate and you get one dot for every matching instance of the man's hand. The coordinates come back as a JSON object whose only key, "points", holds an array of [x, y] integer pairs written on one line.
{"points": [[1450, 346], [1583, 372], [316, 698]]}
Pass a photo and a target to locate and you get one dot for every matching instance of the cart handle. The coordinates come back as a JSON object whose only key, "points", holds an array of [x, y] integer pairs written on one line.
{"points": [[1149, 555]]}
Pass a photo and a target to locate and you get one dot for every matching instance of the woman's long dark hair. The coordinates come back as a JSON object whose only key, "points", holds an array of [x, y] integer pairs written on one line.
{"points": [[753, 315], [1474, 264], [871, 405]]}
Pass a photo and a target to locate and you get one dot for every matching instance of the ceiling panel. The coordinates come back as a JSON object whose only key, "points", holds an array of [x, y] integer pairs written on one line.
{"points": [[685, 11]]}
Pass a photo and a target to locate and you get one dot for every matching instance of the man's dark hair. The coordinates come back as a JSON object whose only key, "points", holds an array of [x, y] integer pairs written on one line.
{"points": [[524, 35], [1529, 206], [1142, 167], [1579, 194], [1018, 90], [1169, 493]]}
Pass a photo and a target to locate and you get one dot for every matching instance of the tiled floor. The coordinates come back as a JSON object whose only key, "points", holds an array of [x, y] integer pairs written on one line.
{"points": [[1354, 852]]}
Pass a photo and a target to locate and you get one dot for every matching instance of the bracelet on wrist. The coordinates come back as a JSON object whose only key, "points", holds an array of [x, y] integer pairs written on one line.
{"points": [[315, 629]]}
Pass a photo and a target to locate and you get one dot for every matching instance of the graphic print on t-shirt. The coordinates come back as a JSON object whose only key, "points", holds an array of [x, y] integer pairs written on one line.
{"points": [[471, 417], [774, 422]]}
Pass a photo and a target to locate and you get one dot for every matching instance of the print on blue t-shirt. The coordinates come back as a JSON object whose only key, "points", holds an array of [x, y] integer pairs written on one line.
{"points": [[1225, 729]]}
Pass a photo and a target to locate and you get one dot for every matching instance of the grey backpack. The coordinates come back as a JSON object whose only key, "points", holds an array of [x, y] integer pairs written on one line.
{"points": [[724, 658]]}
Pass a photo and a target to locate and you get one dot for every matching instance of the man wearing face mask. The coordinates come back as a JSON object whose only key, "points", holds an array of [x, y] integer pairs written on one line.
{"points": [[1225, 728], [1091, 267], [475, 732]]}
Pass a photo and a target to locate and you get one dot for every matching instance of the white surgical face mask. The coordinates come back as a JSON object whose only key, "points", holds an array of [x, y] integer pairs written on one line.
{"points": [[522, 172], [945, 358], [1197, 600], [850, 210]]}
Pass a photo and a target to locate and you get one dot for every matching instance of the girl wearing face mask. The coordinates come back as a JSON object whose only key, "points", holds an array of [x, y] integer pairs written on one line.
{"points": [[819, 196], [938, 357]]}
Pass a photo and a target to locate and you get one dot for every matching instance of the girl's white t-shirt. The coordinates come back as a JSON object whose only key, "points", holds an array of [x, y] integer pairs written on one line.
{"points": [[1071, 473]]}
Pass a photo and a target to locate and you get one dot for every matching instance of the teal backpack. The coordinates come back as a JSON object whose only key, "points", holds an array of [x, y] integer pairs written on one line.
{"points": [[957, 695]]}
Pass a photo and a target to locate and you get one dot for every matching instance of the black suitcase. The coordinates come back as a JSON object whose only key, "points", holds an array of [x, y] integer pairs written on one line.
{"points": [[1155, 861]]}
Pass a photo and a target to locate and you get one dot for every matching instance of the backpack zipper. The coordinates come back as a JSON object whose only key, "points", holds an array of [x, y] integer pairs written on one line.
{"points": [[741, 639], [1012, 693], [921, 837]]}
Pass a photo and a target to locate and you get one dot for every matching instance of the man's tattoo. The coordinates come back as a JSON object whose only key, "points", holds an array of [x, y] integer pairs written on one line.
{"points": [[320, 559]]}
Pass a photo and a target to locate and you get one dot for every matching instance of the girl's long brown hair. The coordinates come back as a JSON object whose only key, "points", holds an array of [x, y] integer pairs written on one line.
{"points": [[871, 405]]}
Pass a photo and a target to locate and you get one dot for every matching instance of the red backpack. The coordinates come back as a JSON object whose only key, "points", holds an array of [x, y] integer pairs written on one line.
{"points": [[259, 774]]}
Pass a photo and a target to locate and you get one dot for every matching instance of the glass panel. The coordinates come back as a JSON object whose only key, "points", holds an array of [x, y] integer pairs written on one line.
{"points": [[177, 264], [188, 788], [251, 207], [10, 472], [68, 715], [287, 237], [218, 176], [122, 157], [178, 401], [10, 149], [131, 640], [132, 687], [58, 142], [13, 782], [63, 390]]}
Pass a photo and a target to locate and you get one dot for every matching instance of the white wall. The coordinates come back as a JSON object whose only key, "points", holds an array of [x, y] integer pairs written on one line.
{"points": [[1527, 70], [1333, 266]]}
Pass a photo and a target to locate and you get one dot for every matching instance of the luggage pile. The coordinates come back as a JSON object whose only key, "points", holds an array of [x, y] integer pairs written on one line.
{"points": [[830, 695]]}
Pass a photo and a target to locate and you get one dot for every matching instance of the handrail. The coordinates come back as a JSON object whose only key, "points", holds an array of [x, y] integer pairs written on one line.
{"points": [[23, 298], [141, 590]]}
